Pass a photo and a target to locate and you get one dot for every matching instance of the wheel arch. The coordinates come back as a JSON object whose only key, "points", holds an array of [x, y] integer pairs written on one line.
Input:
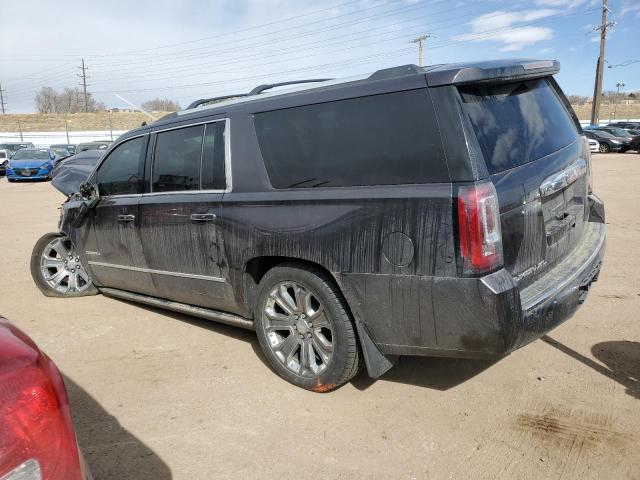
{"points": [[256, 268]]}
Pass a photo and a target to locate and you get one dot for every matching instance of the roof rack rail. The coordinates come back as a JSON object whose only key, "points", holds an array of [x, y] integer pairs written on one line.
{"points": [[267, 86], [204, 101]]}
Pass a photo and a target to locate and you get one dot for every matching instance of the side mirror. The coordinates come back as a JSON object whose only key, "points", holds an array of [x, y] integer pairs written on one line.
{"points": [[89, 192]]}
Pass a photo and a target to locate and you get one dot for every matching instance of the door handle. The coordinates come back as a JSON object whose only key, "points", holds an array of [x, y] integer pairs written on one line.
{"points": [[202, 217], [126, 218]]}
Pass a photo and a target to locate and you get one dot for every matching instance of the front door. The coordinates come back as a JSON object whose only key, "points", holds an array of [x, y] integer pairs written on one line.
{"points": [[117, 260], [180, 215]]}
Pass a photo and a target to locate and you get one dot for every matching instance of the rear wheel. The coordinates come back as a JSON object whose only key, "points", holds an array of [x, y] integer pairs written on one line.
{"points": [[604, 148], [304, 328], [57, 270]]}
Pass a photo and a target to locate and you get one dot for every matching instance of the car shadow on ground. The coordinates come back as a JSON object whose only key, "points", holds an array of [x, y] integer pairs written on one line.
{"points": [[621, 361], [429, 372], [236, 333], [109, 449]]}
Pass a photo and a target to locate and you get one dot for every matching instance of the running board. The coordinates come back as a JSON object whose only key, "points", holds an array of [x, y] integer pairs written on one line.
{"points": [[206, 313]]}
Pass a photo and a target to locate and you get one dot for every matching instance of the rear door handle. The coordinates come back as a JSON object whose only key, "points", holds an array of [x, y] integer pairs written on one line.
{"points": [[202, 217], [126, 218]]}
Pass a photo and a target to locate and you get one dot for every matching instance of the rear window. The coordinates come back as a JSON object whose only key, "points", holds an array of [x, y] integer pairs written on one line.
{"points": [[518, 122], [376, 140]]}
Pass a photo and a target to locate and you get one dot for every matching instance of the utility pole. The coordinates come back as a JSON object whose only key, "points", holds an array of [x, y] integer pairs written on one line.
{"points": [[597, 90], [83, 76], [66, 127], [2, 98], [420, 41], [20, 130], [111, 124], [618, 86]]}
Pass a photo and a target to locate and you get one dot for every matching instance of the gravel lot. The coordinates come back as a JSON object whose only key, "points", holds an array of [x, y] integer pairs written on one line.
{"points": [[158, 395]]}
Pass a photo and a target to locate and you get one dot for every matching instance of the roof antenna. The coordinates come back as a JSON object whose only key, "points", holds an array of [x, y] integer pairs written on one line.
{"points": [[136, 107]]}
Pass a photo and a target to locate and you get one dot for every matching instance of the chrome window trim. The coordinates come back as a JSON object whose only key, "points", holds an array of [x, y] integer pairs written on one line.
{"points": [[227, 158], [158, 272]]}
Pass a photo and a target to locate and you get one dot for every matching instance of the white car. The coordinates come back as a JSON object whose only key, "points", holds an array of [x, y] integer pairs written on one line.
{"points": [[594, 145]]}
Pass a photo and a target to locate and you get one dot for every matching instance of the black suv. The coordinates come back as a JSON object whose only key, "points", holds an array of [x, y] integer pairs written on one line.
{"points": [[441, 211]]}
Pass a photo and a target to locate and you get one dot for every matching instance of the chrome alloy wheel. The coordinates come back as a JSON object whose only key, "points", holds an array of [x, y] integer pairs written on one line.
{"points": [[61, 267], [297, 329]]}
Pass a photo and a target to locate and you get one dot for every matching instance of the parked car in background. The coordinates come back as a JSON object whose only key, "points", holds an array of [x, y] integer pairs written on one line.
{"points": [[37, 438], [608, 142], [634, 139], [98, 145], [31, 164], [70, 147], [9, 148], [342, 235], [594, 146], [69, 173], [4, 161], [626, 125], [60, 153]]}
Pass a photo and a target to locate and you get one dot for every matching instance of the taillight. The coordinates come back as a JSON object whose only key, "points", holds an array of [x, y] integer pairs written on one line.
{"points": [[479, 234], [37, 440]]}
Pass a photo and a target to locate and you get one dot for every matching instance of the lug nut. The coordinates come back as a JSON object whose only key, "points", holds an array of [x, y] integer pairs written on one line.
{"points": [[309, 335]]}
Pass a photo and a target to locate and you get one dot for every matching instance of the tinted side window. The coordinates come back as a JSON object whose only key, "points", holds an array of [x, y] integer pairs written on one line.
{"points": [[377, 140], [121, 171], [176, 163], [213, 167]]}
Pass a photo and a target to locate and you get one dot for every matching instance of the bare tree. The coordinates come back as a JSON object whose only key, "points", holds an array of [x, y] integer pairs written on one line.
{"points": [[70, 100], [161, 105], [46, 100]]}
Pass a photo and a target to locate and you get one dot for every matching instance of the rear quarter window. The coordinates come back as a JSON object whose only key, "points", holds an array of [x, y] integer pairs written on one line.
{"points": [[517, 122], [382, 139]]}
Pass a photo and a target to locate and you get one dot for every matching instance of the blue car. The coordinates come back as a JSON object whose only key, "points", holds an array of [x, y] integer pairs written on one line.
{"points": [[31, 164]]}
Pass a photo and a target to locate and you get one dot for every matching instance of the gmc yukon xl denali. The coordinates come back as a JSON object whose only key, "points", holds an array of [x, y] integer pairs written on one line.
{"points": [[443, 211]]}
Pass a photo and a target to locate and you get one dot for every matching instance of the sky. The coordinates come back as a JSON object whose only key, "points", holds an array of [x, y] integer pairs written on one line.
{"points": [[189, 49]]}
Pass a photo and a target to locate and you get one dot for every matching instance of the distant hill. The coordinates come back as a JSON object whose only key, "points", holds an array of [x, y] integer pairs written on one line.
{"points": [[53, 122], [36, 122]]}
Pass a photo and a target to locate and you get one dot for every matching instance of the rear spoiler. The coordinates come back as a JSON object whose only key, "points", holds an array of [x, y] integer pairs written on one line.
{"points": [[490, 72]]}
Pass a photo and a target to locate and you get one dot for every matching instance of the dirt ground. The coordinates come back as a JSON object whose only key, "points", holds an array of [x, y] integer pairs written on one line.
{"points": [[156, 395]]}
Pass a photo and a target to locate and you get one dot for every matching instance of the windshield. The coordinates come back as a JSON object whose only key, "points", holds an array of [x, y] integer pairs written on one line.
{"points": [[602, 134], [12, 147], [31, 155], [620, 132], [518, 122]]}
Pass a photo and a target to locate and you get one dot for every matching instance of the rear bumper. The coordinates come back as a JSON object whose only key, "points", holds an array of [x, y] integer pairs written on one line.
{"points": [[491, 316]]}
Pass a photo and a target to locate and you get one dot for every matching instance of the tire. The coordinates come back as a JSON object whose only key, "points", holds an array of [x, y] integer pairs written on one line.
{"points": [[56, 268], [604, 148], [286, 331], [10, 180]]}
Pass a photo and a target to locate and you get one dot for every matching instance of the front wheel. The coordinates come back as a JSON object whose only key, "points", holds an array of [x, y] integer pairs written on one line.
{"points": [[604, 148], [304, 328], [57, 270]]}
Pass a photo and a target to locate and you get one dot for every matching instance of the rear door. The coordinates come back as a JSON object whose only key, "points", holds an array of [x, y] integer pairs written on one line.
{"points": [[180, 216], [539, 165]]}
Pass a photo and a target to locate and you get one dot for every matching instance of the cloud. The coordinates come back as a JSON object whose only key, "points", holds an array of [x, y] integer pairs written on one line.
{"points": [[560, 3], [510, 29], [630, 8]]}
